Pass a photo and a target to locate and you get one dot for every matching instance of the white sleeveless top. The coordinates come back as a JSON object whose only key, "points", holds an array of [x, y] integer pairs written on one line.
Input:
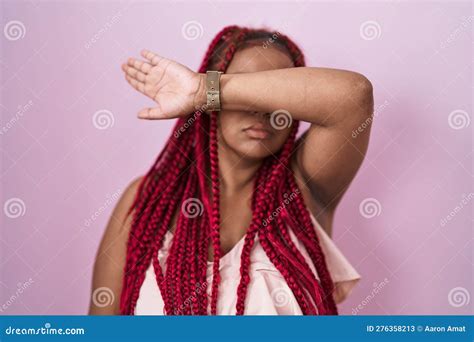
{"points": [[268, 292]]}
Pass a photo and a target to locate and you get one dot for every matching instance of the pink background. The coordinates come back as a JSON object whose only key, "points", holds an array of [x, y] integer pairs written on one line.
{"points": [[67, 173]]}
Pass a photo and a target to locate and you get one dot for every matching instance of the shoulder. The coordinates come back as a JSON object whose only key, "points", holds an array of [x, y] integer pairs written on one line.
{"points": [[128, 197], [111, 255], [132, 188], [120, 218]]}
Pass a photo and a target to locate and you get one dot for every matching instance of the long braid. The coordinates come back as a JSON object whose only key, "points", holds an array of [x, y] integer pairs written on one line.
{"points": [[215, 222], [159, 241], [289, 262], [214, 160], [249, 240], [175, 271], [314, 250]]}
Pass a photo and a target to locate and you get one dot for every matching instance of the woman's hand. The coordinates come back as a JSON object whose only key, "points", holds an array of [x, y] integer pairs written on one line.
{"points": [[174, 87]]}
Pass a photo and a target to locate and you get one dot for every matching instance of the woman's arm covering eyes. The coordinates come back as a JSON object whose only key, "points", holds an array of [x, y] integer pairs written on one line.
{"points": [[337, 103]]}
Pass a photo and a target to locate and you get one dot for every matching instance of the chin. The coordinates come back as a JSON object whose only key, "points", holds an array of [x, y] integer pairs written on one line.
{"points": [[255, 150], [250, 148]]}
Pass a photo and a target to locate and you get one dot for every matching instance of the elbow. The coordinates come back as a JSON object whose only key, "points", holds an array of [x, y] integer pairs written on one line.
{"points": [[363, 94]]}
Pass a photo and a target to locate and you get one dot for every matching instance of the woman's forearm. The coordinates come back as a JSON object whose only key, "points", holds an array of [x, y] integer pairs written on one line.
{"points": [[317, 95]]}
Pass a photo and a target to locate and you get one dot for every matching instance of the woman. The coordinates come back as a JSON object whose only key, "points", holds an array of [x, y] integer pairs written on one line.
{"points": [[225, 220]]}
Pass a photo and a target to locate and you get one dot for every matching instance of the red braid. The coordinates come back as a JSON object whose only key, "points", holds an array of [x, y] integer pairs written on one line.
{"points": [[187, 170]]}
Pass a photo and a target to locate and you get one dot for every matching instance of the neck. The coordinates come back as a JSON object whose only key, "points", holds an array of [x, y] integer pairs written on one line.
{"points": [[236, 172]]}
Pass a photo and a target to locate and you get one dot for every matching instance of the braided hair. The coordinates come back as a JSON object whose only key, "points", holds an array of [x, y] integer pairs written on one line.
{"points": [[179, 179]]}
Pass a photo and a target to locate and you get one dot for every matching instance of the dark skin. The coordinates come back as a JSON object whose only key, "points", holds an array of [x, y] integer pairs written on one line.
{"points": [[257, 82]]}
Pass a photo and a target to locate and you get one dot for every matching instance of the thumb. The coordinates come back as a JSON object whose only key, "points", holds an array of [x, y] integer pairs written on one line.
{"points": [[151, 114]]}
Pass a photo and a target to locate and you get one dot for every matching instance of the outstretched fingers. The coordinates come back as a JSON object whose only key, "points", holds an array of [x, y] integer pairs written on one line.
{"points": [[138, 85], [134, 73], [151, 56], [143, 66]]}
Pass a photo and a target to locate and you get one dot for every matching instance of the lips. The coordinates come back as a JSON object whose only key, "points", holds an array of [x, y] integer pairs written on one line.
{"points": [[258, 131]]}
